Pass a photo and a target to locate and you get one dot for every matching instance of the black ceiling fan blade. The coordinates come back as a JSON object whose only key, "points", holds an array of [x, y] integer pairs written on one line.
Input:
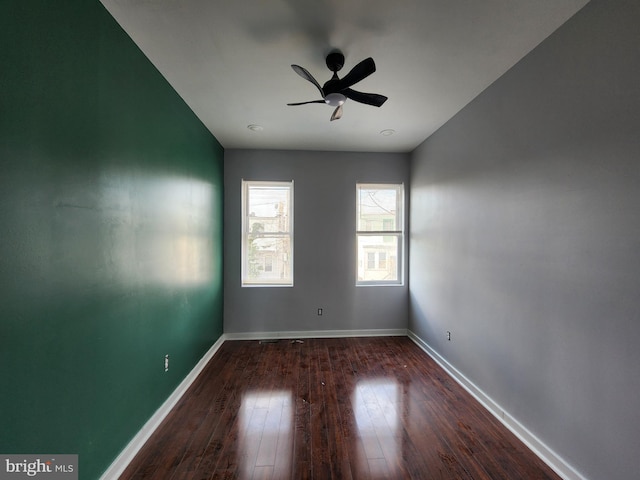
{"points": [[304, 103], [307, 76], [367, 98], [361, 71]]}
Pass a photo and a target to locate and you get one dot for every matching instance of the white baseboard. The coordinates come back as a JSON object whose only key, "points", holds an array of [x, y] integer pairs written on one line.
{"points": [[398, 332], [126, 456], [546, 454]]}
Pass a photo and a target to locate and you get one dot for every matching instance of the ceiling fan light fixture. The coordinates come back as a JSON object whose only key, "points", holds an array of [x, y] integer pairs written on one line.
{"points": [[335, 99]]}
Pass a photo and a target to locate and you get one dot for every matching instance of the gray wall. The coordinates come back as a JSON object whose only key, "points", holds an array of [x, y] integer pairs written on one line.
{"points": [[525, 241], [324, 249]]}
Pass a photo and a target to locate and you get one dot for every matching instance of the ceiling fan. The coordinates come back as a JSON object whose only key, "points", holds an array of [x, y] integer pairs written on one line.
{"points": [[336, 90]]}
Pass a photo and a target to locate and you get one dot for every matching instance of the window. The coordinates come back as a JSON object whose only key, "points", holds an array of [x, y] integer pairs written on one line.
{"points": [[371, 260], [268, 263], [267, 233], [382, 260], [380, 233]]}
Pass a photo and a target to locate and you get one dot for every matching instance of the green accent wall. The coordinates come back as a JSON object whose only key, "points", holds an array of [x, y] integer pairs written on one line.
{"points": [[110, 234]]}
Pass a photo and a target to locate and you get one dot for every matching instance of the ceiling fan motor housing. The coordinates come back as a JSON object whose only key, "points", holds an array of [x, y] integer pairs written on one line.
{"points": [[335, 61]]}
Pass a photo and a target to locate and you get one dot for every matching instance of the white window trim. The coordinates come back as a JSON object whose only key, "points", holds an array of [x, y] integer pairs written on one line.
{"points": [[399, 234], [245, 226]]}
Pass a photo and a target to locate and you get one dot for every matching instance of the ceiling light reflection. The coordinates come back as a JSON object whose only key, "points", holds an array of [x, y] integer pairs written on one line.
{"points": [[377, 404], [266, 437]]}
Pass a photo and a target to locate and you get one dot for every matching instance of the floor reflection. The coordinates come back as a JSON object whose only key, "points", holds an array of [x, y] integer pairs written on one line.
{"points": [[377, 409], [266, 437]]}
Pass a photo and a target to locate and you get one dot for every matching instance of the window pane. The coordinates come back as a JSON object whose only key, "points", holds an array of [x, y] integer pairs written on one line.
{"points": [[377, 208], [267, 208], [268, 260], [385, 249]]}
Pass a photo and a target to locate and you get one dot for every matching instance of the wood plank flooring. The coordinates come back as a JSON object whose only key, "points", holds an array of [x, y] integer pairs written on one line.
{"points": [[350, 408]]}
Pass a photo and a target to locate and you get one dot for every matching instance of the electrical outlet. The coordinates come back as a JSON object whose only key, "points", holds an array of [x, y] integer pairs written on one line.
{"points": [[320, 311], [166, 363]]}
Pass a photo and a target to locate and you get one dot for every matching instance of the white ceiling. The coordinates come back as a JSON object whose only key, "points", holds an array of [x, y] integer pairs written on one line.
{"points": [[230, 61]]}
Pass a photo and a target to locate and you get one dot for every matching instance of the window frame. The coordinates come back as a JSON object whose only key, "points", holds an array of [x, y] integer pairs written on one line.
{"points": [[245, 233], [398, 233]]}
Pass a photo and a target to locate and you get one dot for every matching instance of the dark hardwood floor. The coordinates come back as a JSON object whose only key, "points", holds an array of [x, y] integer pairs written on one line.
{"points": [[351, 408]]}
